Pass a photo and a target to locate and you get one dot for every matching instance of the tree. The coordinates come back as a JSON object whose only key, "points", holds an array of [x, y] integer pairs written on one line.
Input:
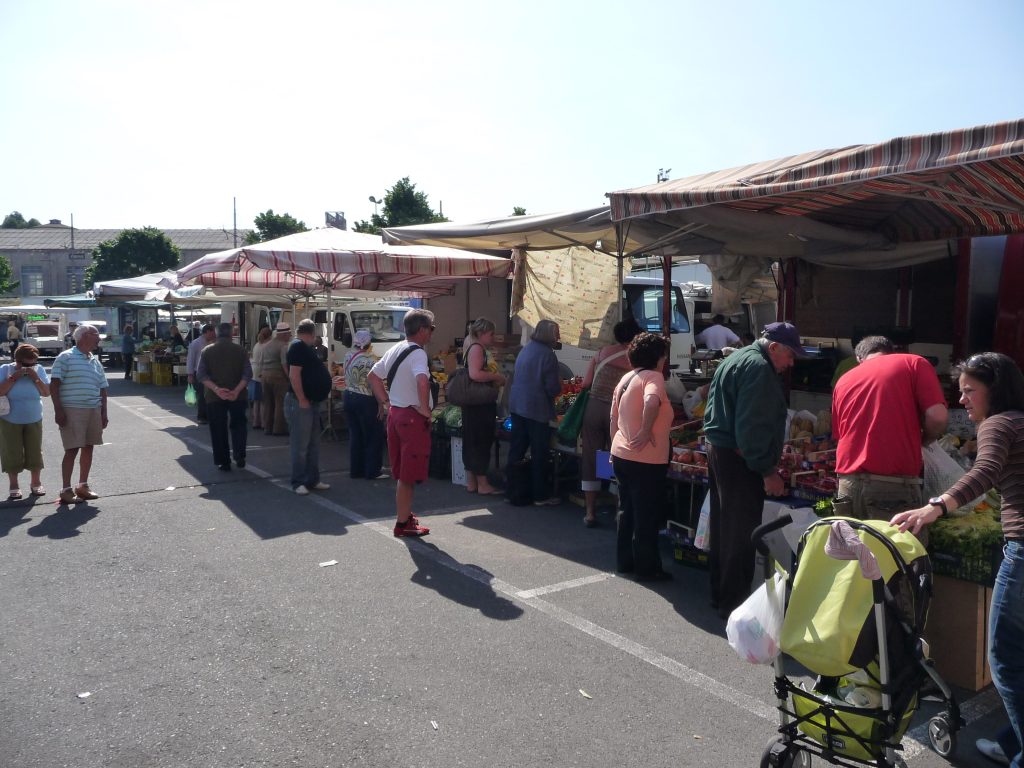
{"points": [[518, 210], [6, 286], [403, 205], [14, 220], [272, 225], [132, 253]]}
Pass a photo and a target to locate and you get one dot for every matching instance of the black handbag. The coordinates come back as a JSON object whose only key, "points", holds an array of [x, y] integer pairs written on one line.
{"points": [[462, 390]]}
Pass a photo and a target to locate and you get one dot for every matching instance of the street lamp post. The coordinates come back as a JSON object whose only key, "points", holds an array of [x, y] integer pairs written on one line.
{"points": [[375, 201]]}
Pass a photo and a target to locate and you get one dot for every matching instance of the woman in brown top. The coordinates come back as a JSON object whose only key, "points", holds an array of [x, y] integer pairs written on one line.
{"points": [[992, 393]]}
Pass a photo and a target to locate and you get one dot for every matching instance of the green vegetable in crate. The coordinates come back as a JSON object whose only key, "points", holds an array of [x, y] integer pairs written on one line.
{"points": [[452, 416], [971, 536]]}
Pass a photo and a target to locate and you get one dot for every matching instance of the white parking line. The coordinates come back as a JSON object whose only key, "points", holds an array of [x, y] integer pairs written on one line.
{"points": [[914, 742], [526, 594]]}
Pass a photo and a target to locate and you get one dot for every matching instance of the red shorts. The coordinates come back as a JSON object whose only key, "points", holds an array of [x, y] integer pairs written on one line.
{"points": [[408, 445]]}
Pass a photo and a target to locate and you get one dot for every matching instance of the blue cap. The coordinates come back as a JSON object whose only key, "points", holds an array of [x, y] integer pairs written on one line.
{"points": [[785, 334]]}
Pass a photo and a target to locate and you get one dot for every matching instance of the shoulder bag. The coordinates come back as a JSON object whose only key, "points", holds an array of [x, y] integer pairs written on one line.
{"points": [[572, 422], [462, 390], [435, 388]]}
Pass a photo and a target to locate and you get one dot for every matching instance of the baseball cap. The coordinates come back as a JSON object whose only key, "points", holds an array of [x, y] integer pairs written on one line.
{"points": [[362, 339], [785, 334]]}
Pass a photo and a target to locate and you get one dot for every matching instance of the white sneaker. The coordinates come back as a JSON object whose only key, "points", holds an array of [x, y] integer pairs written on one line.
{"points": [[992, 751], [302, 490], [322, 487]]}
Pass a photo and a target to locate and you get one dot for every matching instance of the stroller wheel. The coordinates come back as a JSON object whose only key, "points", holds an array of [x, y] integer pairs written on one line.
{"points": [[941, 736], [779, 754]]}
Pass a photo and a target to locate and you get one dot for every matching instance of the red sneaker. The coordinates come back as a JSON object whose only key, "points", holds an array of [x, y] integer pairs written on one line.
{"points": [[410, 527]]}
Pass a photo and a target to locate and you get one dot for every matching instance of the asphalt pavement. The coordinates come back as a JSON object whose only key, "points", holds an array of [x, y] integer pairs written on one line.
{"points": [[187, 618]]}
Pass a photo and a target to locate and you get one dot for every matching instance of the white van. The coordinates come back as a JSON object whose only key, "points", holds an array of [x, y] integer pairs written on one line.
{"points": [[642, 299], [382, 320]]}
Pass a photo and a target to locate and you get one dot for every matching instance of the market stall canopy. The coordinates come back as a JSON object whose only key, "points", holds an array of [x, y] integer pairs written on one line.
{"points": [[868, 206], [591, 228], [339, 260], [155, 286]]}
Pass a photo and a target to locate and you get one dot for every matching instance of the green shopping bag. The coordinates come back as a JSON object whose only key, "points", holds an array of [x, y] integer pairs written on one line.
{"points": [[190, 395], [571, 424]]}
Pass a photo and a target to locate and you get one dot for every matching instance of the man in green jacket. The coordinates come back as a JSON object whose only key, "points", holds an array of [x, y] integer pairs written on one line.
{"points": [[744, 424]]}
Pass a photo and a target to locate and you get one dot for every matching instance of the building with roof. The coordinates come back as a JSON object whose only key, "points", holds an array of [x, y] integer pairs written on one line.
{"points": [[51, 260]]}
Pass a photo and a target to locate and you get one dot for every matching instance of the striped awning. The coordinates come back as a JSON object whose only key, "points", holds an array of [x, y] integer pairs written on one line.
{"points": [[338, 259], [964, 183]]}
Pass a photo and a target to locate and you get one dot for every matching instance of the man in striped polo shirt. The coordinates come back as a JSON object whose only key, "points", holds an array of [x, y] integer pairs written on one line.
{"points": [[78, 388]]}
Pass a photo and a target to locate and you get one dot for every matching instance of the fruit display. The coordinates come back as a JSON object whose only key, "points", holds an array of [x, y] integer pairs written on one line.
{"points": [[565, 399]]}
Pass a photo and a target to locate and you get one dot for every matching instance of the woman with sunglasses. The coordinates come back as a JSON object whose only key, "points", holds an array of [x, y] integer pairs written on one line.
{"points": [[24, 382], [992, 393]]}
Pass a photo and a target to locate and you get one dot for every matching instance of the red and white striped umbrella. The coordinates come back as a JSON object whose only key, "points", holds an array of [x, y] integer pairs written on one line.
{"points": [[334, 259]]}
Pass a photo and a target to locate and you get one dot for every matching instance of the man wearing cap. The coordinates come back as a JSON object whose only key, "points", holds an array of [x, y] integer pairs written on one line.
{"points": [[275, 380], [309, 385], [882, 412], [195, 349], [224, 372], [744, 424]]}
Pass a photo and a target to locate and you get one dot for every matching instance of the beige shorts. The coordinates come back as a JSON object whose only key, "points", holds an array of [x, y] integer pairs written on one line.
{"points": [[84, 427]]}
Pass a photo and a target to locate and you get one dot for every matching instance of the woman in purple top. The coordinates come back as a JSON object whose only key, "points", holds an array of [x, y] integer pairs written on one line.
{"points": [[992, 393]]}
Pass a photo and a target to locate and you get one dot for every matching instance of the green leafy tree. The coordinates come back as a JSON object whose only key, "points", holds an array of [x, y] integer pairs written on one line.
{"points": [[518, 210], [132, 253], [403, 206], [270, 225], [6, 286], [14, 220]]}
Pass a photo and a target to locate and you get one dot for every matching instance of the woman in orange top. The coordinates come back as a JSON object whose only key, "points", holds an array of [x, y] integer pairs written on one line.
{"points": [[640, 421]]}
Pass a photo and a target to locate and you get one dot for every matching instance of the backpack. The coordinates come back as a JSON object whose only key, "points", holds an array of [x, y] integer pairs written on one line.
{"points": [[435, 387]]}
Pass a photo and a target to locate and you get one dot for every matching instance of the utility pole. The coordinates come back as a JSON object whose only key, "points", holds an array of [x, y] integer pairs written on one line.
{"points": [[234, 221]]}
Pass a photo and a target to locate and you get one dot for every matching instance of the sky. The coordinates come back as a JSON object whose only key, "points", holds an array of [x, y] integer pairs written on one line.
{"points": [[162, 113]]}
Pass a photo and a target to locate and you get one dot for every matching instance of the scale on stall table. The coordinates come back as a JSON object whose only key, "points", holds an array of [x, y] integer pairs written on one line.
{"points": [[700, 361]]}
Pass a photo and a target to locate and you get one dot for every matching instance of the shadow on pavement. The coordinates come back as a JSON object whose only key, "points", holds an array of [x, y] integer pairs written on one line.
{"points": [[451, 585], [65, 522], [15, 513]]}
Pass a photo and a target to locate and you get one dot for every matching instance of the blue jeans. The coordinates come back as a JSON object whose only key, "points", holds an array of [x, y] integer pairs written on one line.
{"points": [[537, 436], [303, 440], [1006, 638], [365, 435]]}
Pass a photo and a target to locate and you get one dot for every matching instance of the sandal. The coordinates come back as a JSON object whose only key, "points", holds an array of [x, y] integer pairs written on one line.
{"points": [[15, 495], [38, 490]]}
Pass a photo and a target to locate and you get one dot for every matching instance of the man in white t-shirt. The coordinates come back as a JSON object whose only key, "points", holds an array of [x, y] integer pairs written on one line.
{"points": [[406, 369], [717, 335]]}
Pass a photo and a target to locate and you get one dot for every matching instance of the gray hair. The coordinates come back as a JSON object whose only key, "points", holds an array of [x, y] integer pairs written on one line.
{"points": [[546, 332], [224, 330], [869, 345], [306, 327], [83, 329], [415, 319], [480, 326]]}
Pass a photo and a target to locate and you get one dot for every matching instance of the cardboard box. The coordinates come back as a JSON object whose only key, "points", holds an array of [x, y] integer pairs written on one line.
{"points": [[458, 470], [957, 632]]}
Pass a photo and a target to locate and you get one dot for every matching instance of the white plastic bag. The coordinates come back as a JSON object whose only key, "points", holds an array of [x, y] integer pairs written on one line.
{"points": [[755, 627], [702, 538], [941, 472]]}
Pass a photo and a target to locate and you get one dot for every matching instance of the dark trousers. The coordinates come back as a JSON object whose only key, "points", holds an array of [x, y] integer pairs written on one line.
{"points": [[365, 435], [219, 414], [478, 436], [202, 407], [535, 435], [641, 507], [737, 504], [129, 358]]}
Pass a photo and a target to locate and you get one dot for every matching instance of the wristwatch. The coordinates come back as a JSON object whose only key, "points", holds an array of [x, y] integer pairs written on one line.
{"points": [[937, 501]]}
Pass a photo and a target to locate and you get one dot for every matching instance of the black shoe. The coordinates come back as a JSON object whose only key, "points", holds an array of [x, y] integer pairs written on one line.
{"points": [[224, 467], [240, 463], [656, 576]]}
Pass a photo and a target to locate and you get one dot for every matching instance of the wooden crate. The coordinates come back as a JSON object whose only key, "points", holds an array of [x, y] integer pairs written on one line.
{"points": [[957, 632]]}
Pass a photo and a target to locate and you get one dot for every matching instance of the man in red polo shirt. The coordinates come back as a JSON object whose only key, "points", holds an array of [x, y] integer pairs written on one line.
{"points": [[882, 412]]}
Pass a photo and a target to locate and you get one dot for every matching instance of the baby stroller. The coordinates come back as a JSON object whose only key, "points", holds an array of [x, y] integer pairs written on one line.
{"points": [[854, 609]]}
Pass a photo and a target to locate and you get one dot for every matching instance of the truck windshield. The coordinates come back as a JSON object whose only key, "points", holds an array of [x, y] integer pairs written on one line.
{"points": [[644, 302], [383, 324]]}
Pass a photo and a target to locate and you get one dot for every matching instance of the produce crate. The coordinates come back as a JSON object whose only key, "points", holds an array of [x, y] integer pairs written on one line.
{"points": [[162, 374], [683, 551], [143, 377], [978, 569]]}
